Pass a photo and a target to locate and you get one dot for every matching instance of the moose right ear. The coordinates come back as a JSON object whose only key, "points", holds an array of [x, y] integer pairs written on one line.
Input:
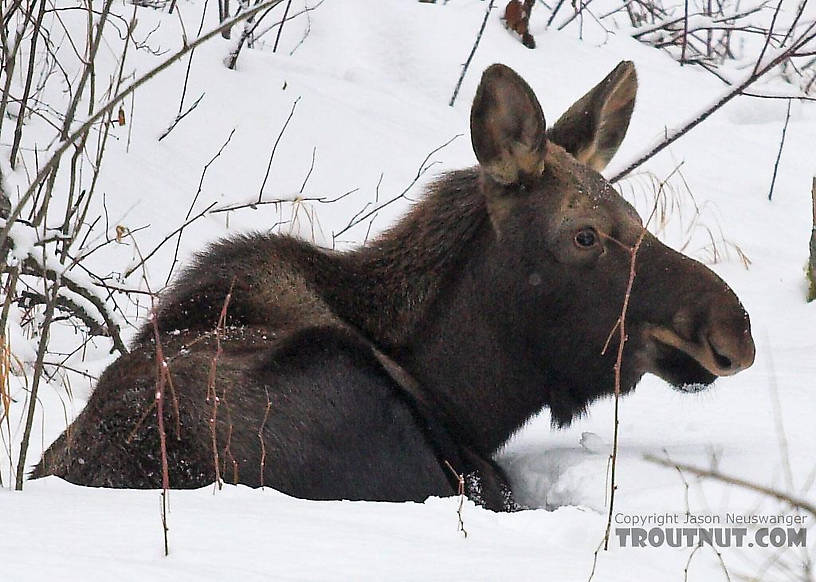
{"points": [[507, 126], [594, 127]]}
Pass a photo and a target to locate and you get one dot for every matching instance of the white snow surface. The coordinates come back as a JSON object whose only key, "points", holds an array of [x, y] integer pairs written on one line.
{"points": [[373, 81]]}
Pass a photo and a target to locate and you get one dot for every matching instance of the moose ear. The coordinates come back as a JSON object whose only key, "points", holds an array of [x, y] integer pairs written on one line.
{"points": [[507, 126], [593, 128]]}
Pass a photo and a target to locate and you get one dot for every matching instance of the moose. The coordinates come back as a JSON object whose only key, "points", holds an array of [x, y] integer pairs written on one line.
{"points": [[396, 370]]}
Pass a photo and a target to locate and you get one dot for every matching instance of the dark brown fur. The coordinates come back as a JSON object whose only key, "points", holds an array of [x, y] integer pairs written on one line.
{"points": [[434, 343]]}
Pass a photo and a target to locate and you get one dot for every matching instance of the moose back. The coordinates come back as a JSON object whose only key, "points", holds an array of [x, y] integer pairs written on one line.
{"points": [[385, 372]]}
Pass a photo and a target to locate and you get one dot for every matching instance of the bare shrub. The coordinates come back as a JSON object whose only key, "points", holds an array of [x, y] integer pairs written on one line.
{"points": [[711, 33]]}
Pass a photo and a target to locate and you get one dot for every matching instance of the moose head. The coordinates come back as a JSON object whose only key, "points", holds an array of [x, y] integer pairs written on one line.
{"points": [[536, 314]]}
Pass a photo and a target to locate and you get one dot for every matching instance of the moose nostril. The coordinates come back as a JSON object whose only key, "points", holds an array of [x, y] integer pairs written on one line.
{"points": [[730, 346], [723, 357], [723, 362]]}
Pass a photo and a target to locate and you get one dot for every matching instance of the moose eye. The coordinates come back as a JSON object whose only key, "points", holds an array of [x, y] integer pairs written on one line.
{"points": [[586, 238]]}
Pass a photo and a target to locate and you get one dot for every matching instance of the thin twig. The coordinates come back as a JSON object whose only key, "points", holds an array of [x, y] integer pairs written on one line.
{"points": [[261, 436], [60, 149], [685, 33], [231, 60], [786, 97], [472, 52], [195, 199], [280, 28], [791, 500], [309, 173], [162, 378], [178, 118], [688, 562], [461, 493], [38, 371], [161, 372], [18, 129], [275, 147], [188, 222], [768, 37], [258, 34], [420, 172], [211, 388], [554, 12], [190, 60], [779, 153], [620, 325], [31, 266], [672, 136], [277, 201], [622, 337]]}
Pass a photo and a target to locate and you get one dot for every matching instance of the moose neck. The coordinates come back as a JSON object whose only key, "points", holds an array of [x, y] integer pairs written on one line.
{"points": [[390, 284], [473, 356], [419, 293]]}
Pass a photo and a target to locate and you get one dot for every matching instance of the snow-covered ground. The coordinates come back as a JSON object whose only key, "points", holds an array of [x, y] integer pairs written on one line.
{"points": [[372, 81]]}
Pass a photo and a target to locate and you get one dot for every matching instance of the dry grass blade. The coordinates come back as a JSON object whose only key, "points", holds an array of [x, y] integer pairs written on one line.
{"points": [[5, 373], [679, 219]]}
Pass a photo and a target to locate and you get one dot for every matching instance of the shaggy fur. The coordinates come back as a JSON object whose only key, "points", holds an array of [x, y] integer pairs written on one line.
{"points": [[359, 375]]}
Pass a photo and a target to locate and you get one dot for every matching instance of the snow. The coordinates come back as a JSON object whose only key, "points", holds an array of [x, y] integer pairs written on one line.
{"points": [[374, 80], [263, 535]]}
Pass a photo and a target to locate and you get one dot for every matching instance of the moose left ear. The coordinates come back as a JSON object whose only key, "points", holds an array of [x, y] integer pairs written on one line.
{"points": [[594, 127]]}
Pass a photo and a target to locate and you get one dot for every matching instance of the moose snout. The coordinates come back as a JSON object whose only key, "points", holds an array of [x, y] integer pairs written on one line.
{"points": [[717, 336], [730, 344]]}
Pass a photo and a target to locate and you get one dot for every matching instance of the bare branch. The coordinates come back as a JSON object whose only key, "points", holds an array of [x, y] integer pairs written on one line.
{"points": [[792, 500], [53, 161], [423, 167], [144, 259], [178, 118], [750, 79], [472, 52], [779, 153], [275, 147], [32, 266], [280, 28]]}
